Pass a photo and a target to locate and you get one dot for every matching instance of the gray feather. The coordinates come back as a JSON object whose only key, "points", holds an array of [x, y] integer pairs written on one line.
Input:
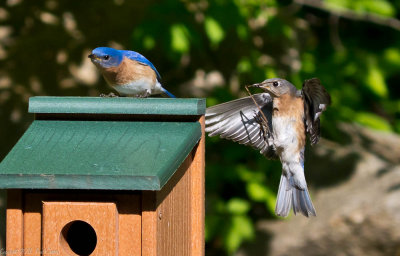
{"points": [[289, 196], [237, 120]]}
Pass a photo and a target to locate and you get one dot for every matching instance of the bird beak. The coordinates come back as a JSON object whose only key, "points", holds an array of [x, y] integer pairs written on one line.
{"points": [[265, 86], [262, 85], [94, 58]]}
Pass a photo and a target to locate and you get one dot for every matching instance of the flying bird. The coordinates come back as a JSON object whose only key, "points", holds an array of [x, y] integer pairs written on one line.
{"points": [[276, 122], [128, 72]]}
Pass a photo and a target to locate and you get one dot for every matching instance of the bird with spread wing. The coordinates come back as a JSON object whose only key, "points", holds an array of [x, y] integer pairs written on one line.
{"points": [[276, 123]]}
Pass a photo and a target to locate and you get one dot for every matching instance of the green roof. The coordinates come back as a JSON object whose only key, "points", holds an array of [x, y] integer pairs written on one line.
{"points": [[97, 154]]}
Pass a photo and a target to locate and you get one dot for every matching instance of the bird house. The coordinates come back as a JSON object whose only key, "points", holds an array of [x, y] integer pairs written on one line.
{"points": [[107, 176]]}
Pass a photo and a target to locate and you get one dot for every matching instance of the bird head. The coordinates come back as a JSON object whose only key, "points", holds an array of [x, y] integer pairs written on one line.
{"points": [[276, 86], [106, 57]]}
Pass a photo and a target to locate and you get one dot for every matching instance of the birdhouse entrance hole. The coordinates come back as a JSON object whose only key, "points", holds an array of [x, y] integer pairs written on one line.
{"points": [[78, 238]]}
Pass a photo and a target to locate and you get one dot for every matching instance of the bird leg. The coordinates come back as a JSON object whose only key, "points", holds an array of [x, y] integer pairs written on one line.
{"points": [[260, 118], [110, 95]]}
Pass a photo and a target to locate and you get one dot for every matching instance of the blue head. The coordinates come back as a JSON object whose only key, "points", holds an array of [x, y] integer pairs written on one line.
{"points": [[106, 57]]}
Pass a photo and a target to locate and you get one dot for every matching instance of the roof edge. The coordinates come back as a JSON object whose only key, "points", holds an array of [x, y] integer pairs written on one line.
{"points": [[117, 105], [92, 182]]}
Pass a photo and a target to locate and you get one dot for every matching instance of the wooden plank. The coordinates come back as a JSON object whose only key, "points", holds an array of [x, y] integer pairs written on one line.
{"points": [[174, 213], [197, 170], [149, 224], [130, 225], [102, 217], [14, 222], [176, 227], [32, 224]]}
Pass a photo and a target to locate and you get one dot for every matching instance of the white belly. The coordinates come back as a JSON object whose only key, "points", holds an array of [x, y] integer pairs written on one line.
{"points": [[140, 87], [285, 138]]}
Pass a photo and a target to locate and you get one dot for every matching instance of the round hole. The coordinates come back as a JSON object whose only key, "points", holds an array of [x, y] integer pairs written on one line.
{"points": [[79, 238]]}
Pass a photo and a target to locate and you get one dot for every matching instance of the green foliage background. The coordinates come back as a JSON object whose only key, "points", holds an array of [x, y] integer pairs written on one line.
{"points": [[351, 45]]}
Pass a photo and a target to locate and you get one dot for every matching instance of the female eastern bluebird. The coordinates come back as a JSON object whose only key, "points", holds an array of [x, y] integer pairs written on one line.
{"points": [[289, 114], [128, 72]]}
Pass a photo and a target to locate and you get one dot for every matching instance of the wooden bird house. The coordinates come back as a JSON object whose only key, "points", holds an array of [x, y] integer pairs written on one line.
{"points": [[107, 176]]}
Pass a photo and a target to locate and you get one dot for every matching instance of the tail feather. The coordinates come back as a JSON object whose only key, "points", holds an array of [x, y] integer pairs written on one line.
{"points": [[289, 196], [284, 199], [167, 93], [302, 203]]}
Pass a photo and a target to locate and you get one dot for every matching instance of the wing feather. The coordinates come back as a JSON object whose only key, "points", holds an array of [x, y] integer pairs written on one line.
{"points": [[238, 120], [316, 100], [141, 59]]}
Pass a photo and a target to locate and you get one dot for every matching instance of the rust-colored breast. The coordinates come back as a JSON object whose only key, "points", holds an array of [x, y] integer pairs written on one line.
{"points": [[291, 106], [127, 72]]}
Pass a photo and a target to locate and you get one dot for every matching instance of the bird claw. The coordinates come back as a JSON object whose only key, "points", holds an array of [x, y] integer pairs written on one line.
{"points": [[110, 95], [144, 95], [141, 96]]}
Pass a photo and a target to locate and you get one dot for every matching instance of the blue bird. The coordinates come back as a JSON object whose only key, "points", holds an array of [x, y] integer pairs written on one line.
{"points": [[128, 72]]}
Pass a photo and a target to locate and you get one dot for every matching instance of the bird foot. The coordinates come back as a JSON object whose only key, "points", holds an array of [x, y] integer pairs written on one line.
{"points": [[144, 95], [110, 95]]}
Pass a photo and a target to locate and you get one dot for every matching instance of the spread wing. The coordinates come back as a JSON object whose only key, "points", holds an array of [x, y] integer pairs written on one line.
{"points": [[239, 120], [316, 100], [141, 59]]}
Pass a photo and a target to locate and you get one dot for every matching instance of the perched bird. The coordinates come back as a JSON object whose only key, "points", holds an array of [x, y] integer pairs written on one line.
{"points": [[128, 72], [279, 131]]}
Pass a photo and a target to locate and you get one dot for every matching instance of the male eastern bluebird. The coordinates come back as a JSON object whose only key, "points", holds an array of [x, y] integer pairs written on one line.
{"points": [[128, 72], [288, 115]]}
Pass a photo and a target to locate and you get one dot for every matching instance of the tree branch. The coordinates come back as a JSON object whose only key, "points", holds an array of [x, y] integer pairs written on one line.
{"points": [[352, 15]]}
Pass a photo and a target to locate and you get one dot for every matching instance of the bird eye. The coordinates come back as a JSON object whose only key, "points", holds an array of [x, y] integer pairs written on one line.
{"points": [[275, 84], [106, 57]]}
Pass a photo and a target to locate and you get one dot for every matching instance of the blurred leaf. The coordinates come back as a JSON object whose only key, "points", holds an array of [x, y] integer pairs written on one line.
{"points": [[308, 63], [380, 7], [180, 38], [372, 121], [339, 5], [237, 206], [248, 175], [257, 192], [261, 193], [149, 42], [240, 229], [244, 65], [211, 101], [350, 69], [214, 30], [375, 80], [270, 73], [288, 32], [392, 56], [242, 32]]}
